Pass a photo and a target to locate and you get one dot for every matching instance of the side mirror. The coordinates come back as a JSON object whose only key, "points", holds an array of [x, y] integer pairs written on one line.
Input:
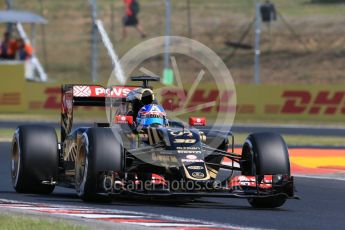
{"points": [[120, 119], [197, 121]]}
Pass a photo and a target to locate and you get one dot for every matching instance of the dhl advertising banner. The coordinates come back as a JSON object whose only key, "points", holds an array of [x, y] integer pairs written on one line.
{"points": [[297, 102], [294, 102], [257, 102], [11, 84], [45, 98]]}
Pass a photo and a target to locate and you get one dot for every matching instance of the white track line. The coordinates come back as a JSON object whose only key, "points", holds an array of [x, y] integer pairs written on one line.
{"points": [[167, 221], [175, 225], [98, 216]]}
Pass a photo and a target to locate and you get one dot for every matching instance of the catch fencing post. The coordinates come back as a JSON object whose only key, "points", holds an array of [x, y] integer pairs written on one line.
{"points": [[168, 74], [9, 5], [257, 42], [94, 42]]}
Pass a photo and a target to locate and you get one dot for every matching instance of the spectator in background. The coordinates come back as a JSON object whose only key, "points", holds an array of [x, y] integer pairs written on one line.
{"points": [[24, 50], [8, 47], [131, 18], [268, 12]]}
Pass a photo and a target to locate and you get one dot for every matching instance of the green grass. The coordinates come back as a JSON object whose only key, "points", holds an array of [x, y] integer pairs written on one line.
{"points": [[289, 8], [18, 222], [6, 134]]}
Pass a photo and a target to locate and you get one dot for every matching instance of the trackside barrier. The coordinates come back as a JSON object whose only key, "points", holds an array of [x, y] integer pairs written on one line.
{"points": [[295, 102], [12, 95]]}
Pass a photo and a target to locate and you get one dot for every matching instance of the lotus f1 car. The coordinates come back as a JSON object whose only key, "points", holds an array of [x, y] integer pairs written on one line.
{"points": [[168, 159]]}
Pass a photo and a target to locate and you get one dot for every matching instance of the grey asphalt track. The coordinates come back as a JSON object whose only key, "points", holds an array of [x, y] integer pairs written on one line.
{"points": [[321, 205], [237, 128]]}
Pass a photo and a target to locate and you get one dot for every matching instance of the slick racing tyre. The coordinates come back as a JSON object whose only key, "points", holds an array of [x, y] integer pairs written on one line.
{"points": [[265, 154], [267, 202], [34, 159], [100, 151]]}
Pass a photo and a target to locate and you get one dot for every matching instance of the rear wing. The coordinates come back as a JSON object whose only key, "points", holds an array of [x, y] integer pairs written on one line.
{"points": [[95, 95], [87, 95]]}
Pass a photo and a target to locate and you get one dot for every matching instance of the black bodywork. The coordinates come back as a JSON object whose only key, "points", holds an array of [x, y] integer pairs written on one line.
{"points": [[193, 158]]}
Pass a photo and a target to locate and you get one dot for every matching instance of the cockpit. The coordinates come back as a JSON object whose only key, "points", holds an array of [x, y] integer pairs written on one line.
{"points": [[142, 106]]}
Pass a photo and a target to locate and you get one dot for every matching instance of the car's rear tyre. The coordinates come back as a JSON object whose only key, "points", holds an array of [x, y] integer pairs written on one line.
{"points": [[34, 159], [265, 154], [100, 151]]}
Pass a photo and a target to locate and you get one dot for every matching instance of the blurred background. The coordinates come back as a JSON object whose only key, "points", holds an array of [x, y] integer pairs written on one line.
{"points": [[290, 73], [286, 59], [305, 44]]}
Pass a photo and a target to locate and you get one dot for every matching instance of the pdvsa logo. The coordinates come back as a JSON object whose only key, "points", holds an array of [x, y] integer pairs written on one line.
{"points": [[116, 91]]}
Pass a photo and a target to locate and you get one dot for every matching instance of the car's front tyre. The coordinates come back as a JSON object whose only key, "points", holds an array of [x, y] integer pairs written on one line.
{"points": [[265, 154]]}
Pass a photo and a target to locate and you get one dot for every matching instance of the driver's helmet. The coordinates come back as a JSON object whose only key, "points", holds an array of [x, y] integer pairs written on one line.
{"points": [[151, 114]]}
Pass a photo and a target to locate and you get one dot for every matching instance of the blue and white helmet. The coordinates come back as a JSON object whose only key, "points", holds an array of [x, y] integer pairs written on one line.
{"points": [[151, 114]]}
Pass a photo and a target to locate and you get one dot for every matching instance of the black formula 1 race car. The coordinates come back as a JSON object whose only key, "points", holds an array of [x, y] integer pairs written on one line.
{"points": [[161, 160]]}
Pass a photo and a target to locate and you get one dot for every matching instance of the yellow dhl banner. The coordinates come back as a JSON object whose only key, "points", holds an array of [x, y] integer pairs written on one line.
{"points": [[297, 102], [12, 98]]}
